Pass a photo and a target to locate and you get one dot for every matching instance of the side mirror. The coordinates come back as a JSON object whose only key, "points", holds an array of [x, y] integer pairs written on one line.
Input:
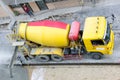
{"points": [[110, 25]]}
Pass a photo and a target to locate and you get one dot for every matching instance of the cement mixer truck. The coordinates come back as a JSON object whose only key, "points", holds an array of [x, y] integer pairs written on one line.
{"points": [[47, 40]]}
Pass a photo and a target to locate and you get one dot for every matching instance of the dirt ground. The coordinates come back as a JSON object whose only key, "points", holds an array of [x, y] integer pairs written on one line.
{"points": [[81, 72]]}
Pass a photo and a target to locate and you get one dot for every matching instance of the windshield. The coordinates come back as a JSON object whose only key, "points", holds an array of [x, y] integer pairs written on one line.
{"points": [[107, 36]]}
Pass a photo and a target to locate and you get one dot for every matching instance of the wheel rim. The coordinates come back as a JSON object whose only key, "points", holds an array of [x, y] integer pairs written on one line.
{"points": [[56, 58], [43, 58], [96, 56]]}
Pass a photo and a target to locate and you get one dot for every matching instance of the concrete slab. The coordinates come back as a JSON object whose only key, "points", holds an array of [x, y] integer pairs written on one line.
{"points": [[79, 72], [6, 49], [19, 73]]}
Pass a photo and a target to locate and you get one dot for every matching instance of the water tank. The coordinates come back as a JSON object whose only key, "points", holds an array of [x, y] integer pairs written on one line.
{"points": [[74, 31]]}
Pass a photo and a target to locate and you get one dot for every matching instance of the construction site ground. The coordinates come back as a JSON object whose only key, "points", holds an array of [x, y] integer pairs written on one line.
{"points": [[68, 72]]}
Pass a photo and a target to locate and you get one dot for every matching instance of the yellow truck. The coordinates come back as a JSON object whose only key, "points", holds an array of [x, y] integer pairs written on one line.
{"points": [[98, 37], [54, 40]]}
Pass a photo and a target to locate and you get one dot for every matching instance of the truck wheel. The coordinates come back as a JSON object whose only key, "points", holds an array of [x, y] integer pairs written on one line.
{"points": [[56, 58], [43, 58], [96, 56]]}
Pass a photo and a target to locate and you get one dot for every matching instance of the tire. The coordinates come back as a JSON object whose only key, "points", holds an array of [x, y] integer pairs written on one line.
{"points": [[96, 56], [42, 58], [56, 58]]}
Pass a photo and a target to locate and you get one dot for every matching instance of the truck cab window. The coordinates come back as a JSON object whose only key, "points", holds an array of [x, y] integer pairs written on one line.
{"points": [[107, 36], [97, 42]]}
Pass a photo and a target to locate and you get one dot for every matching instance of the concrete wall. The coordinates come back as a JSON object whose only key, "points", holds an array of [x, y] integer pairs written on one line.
{"points": [[34, 6], [64, 4], [53, 5], [20, 10]]}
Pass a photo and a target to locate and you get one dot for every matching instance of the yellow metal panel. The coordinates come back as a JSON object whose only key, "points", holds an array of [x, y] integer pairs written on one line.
{"points": [[104, 49], [48, 51], [94, 28], [88, 45]]}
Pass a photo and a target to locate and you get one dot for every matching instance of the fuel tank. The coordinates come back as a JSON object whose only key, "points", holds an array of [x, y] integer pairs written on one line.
{"points": [[46, 32]]}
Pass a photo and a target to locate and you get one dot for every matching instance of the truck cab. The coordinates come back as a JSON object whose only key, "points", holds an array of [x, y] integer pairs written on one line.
{"points": [[98, 37]]}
